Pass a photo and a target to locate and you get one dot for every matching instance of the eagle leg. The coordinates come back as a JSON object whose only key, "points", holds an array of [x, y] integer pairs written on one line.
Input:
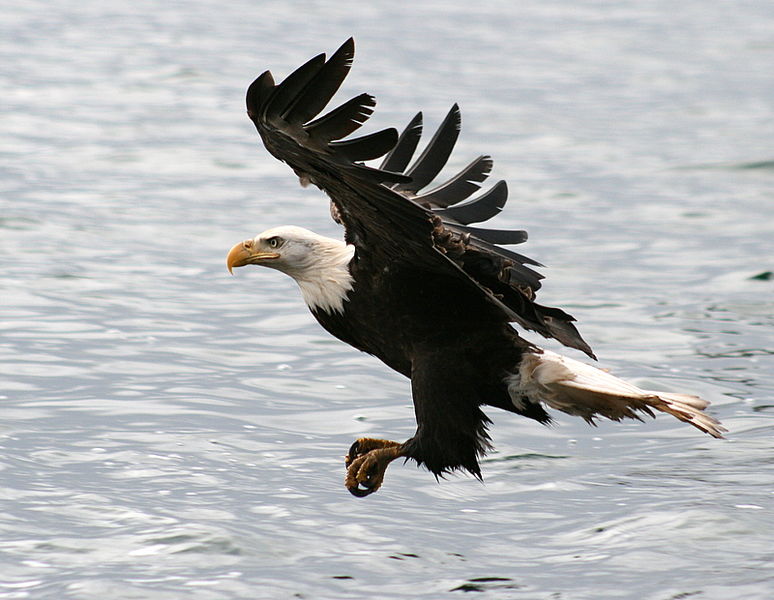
{"points": [[366, 462]]}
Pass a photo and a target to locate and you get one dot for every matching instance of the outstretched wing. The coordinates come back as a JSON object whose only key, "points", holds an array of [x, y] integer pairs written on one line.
{"points": [[390, 205]]}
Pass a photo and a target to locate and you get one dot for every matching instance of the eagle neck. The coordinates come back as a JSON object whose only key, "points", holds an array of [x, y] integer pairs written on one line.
{"points": [[326, 283]]}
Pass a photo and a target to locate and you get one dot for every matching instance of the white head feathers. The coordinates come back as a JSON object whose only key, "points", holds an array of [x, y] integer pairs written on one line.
{"points": [[320, 265]]}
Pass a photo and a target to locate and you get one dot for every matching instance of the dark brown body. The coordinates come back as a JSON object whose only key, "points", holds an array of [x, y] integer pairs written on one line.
{"points": [[456, 352]]}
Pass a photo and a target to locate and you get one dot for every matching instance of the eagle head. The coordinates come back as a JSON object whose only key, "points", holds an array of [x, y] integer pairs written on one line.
{"points": [[292, 250], [320, 265]]}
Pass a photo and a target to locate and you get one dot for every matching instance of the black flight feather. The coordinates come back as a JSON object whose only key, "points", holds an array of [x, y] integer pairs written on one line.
{"points": [[398, 158], [435, 155], [287, 91], [495, 236], [367, 147], [560, 328], [517, 274], [322, 86], [342, 121], [459, 187], [479, 209], [258, 93]]}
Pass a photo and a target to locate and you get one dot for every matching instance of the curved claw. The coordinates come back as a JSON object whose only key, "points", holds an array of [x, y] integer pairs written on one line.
{"points": [[353, 453], [367, 462], [360, 493], [366, 474], [369, 485]]}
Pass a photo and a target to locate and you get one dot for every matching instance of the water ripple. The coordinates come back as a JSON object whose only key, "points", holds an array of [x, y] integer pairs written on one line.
{"points": [[169, 431]]}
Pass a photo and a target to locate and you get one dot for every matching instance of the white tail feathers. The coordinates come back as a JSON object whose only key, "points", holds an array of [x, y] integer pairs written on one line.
{"points": [[586, 391]]}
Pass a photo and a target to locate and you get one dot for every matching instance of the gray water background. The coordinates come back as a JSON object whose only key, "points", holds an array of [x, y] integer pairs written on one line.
{"points": [[168, 431]]}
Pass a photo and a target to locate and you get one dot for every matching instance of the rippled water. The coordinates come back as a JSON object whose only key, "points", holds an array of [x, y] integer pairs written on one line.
{"points": [[169, 431]]}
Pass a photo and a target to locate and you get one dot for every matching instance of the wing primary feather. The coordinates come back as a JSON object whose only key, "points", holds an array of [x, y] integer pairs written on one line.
{"points": [[322, 86], [258, 92], [285, 93], [479, 209], [367, 147], [459, 187], [435, 155], [398, 158], [560, 327], [493, 236], [519, 272], [519, 259], [342, 121]]}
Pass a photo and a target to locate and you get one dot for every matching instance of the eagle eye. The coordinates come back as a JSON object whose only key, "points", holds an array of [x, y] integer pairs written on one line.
{"points": [[274, 242]]}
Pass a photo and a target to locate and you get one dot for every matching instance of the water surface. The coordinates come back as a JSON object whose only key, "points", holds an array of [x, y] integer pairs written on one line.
{"points": [[169, 431]]}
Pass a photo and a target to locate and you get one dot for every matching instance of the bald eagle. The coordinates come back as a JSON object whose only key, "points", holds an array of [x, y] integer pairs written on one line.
{"points": [[415, 285]]}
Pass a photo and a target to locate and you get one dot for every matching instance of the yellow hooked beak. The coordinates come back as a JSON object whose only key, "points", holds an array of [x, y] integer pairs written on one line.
{"points": [[245, 253]]}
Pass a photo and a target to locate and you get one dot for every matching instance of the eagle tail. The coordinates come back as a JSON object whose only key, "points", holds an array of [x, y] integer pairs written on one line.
{"points": [[579, 389]]}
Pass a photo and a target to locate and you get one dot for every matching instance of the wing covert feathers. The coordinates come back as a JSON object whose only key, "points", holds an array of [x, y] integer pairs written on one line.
{"points": [[588, 392], [379, 205]]}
